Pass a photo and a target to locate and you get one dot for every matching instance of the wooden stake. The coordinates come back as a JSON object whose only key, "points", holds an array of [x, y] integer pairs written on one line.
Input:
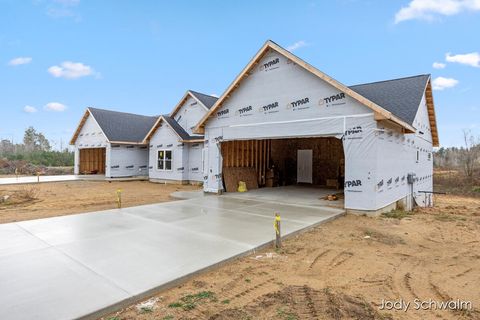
{"points": [[278, 236]]}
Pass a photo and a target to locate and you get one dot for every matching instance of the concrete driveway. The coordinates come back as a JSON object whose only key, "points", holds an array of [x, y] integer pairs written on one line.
{"points": [[76, 266]]}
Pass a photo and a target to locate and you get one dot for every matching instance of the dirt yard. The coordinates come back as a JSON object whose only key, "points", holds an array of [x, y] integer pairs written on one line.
{"points": [[343, 270], [34, 201]]}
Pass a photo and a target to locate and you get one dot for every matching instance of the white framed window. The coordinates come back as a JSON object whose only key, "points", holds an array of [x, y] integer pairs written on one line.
{"points": [[164, 160]]}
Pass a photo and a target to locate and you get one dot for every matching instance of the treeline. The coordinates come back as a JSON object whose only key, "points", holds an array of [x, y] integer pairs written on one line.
{"points": [[35, 150], [465, 158]]}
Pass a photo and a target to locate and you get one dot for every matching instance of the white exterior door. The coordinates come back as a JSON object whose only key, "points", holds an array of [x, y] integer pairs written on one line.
{"points": [[304, 166]]}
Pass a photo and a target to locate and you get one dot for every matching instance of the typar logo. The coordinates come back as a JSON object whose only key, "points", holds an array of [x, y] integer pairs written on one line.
{"points": [[270, 65], [299, 104], [354, 133], [352, 185], [225, 113], [217, 139], [380, 184], [245, 111], [269, 108], [335, 100]]}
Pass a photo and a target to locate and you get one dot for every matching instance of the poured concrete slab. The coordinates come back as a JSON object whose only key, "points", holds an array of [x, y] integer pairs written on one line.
{"points": [[34, 179], [78, 265]]}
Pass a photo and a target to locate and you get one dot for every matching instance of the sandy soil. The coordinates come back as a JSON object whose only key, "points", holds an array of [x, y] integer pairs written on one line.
{"points": [[342, 270], [34, 201]]}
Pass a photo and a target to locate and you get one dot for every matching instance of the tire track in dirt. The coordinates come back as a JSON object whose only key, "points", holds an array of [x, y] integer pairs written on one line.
{"points": [[318, 258]]}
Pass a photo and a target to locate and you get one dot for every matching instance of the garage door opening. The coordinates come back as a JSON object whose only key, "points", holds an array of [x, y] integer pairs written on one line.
{"points": [[92, 161], [317, 162]]}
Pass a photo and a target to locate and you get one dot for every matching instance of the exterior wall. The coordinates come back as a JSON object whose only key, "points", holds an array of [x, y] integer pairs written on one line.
{"points": [[195, 161], [166, 139], [189, 114], [279, 99], [127, 161], [397, 157], [187, 157], [90, 136]]}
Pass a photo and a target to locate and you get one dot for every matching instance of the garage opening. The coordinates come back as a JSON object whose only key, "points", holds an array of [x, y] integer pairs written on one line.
{"points": [[318, 162], [92, 161]]}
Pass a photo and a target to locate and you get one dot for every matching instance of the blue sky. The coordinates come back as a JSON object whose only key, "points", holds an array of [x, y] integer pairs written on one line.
{"points": [[59, 56]]}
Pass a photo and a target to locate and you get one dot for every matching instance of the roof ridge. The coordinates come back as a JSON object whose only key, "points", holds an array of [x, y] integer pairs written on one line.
{"points": [[388, 80], [203, 94], [129, 113]]}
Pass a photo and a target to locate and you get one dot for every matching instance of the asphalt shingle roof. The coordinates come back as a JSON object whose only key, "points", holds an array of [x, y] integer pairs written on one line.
{"points": [[399, 96], [208, 101], [121, 126], [179, 130]]}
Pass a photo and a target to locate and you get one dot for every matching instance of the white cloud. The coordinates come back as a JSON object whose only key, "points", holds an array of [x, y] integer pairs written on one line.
{"points": [[429, 9], [471, 59], [19, 61], [71, 70], [297, 45], [439, 65], [440, 83], [29, 109], [55, 106], [214, 95]]}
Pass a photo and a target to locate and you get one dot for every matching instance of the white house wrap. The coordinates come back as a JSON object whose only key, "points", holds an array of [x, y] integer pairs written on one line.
{"points": [[278, 96]]}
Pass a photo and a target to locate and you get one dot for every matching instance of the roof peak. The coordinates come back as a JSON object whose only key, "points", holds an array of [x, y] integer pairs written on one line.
{"points": [[127, 113]]}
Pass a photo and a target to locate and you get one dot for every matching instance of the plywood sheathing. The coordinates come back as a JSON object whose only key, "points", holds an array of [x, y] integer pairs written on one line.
{"points": [[92, 159], [247, 154]]}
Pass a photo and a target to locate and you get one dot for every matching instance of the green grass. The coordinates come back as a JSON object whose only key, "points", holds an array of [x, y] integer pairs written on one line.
{"points": [[248, 280], [396, 214], [445, 217], [190, 301], [284, 314], [476, 189], [169, 317], [146, 310], [226, 301]]}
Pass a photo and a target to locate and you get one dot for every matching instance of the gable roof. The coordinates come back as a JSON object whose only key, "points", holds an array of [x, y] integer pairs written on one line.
{"points": [[204, 100], [179, 130], [402, 98], [399, 96], [270, 45], [207, 100], [118, 127]]}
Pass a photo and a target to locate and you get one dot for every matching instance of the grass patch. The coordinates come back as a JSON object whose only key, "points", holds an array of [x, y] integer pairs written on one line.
{"points": [[146, 309], [190, 301], [445, 217], [286, 315], [169, 317], [226, 301], [396, 214], [248, 280], [476, 189]]}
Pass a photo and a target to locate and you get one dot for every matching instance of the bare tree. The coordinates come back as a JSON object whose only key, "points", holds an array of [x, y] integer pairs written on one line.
{"points": [[471, 154]]}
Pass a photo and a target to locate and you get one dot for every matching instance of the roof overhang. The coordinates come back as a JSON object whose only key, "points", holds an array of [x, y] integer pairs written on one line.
{"points": [[378, 110], [183, 100], [431, 114], [158, 125]]}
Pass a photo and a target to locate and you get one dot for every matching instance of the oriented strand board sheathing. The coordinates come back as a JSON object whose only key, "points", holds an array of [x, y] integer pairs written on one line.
{"points": [[232, 175]]}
